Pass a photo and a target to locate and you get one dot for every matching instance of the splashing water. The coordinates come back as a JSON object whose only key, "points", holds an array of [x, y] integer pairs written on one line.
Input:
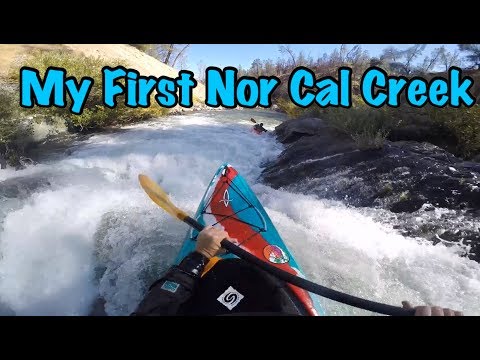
{"points": [[87, 229]]}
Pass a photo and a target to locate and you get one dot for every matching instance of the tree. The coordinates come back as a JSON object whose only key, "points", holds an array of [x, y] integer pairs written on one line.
{"points": [[180, 54], [357, 58], [448, 59], [391, 54], [375, 62], [337, 57], [287, 50], [301, 59], [268, 67], [280, 67], [257, 66], [170, 54], [391, 57], [402, 61], [201, 71], [410, 55], [473, 51], [430, 62]]}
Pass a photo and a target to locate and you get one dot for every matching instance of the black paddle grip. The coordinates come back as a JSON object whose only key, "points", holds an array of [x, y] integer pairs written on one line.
{"points": [[193, 223]]}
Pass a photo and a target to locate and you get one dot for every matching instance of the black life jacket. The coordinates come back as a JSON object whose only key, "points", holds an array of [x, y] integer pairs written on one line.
{"points": [[235, 287]]}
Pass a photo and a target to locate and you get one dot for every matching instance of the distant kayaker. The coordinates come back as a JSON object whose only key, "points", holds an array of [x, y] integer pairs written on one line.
{"points": [[259, 128], [183, 291]]}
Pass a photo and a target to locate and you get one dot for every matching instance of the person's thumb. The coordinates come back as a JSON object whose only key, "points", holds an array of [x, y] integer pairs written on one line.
{"points": [[407, 305]]}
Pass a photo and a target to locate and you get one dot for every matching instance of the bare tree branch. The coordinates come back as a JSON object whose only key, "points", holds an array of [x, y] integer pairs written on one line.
{"points": [[286, 49], [169, 53], [179, 54]]}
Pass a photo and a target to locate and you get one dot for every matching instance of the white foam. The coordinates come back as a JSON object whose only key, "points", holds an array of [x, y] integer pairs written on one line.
{"points": [[346, 249], [93, 230]]}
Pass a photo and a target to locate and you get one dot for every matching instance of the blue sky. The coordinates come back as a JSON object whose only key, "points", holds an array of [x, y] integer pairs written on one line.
{"points": [[222, 55]]}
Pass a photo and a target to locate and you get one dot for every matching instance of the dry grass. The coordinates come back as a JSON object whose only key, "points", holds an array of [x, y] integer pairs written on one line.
{"points": [[12, 55]]}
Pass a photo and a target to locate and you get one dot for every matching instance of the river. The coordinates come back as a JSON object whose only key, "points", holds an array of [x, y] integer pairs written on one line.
{"points": [[78, 226]]}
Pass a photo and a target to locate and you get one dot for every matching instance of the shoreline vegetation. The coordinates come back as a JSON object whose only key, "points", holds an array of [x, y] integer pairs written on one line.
{"points": [[456, 130], [17, 125]]}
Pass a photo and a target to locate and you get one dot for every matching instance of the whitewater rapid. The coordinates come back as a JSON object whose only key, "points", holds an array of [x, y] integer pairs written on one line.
{"points": [[87, 229]]}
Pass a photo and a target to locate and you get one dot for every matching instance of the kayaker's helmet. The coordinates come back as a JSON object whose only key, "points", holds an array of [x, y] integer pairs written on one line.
{"points": [[261, 124]]}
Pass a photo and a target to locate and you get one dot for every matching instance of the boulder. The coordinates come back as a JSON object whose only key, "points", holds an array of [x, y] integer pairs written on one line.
{"points": [[292, 130], [405, 177], [401, 176]]}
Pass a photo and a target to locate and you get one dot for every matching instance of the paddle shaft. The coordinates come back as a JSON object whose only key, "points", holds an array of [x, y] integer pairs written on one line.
{"points": [[308, 285]]}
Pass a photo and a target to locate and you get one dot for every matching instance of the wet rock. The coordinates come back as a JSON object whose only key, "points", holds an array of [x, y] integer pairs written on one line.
{"points": [[320, 160], [431, 193], [408, 205], [424, 130], [292, 130]]}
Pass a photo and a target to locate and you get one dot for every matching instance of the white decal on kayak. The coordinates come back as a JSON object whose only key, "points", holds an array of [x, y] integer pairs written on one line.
{"points": [[226, 198], [230, 298]]}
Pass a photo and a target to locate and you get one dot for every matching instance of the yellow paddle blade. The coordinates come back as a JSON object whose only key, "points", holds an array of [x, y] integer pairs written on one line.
{"points": [[160, 197]]}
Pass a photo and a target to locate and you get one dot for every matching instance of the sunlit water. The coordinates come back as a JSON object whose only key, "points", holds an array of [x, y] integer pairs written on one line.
{"points": [[88, 230]]}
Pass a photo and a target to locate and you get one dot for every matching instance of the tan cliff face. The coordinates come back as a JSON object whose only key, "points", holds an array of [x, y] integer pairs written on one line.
{"points": [[10, 55]]}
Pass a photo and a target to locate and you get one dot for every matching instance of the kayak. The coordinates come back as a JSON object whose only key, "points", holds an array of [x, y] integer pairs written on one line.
{"points": [[257, 131], [230, 204]]}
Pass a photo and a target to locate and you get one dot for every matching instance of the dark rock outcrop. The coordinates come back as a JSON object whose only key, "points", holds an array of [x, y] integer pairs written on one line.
{"points": [[402, 176], [408, 178], [425, 131], [292, 130]]}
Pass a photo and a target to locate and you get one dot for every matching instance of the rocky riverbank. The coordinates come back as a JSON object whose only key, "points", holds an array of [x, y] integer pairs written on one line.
{"points": [[404, 177]]}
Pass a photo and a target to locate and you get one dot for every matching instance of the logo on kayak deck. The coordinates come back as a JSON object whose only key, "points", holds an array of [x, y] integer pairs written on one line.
{"points": [[226, 198], [275, 254], [230, 298]]}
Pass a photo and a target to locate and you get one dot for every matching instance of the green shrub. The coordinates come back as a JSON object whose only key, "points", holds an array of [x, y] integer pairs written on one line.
{"points": [[404, 196], [464, 123], [95, 114], [289, 108], [14, 131], [370, 140], [11, 128], [8, 107], [368, 127]]}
